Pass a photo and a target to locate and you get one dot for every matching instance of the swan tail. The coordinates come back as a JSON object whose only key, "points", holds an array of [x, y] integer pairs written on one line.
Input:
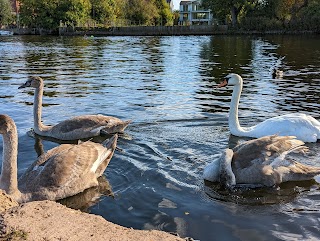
{"points": [[300, 172], [110, 145], [124, 125]]}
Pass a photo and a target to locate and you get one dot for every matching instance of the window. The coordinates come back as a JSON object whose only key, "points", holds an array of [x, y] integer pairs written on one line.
{"points": [[185, 16], [199, 16]]}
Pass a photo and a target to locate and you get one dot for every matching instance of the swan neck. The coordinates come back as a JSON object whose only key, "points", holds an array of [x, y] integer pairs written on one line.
{"points": [[234, 124], [9, 176], [37, 109]]}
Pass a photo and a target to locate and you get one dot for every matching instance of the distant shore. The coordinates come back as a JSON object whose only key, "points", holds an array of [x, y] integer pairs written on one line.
{"points": [[153, 31]]}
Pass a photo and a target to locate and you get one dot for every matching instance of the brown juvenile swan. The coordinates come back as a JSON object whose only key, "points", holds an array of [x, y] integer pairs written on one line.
{"points": [[61, 172], [260, 161], [78, 127]]}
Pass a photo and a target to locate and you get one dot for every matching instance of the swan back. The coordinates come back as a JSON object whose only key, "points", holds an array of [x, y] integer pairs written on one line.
{"points": [[265, 148], [67, 170], [261, 161]]}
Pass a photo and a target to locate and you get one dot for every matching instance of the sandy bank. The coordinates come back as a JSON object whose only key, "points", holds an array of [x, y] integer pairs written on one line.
{"points": [[47, 220]]}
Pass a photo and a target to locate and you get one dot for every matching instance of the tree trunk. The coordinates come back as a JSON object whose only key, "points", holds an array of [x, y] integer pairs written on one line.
{"points": [[234, 16]]}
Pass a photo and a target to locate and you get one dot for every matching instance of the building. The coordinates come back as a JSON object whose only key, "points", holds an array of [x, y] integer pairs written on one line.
{"points": [[192, 13]]}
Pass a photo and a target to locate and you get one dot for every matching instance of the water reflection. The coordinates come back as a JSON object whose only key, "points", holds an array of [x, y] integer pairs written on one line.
{"points": [[89, 197], [247, 194]]}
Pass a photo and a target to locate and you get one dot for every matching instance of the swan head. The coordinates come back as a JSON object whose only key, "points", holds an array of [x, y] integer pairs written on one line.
{"points": [[33, 81], [6, 124], [231, 79]]}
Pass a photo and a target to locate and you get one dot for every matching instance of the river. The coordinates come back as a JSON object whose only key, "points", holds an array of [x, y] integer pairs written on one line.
{"points": [[166, 85]]}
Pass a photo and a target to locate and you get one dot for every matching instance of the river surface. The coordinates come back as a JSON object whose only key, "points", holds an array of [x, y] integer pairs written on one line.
{"points": [[166, 85]]}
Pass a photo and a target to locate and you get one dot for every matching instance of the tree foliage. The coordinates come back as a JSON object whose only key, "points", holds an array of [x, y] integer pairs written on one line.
{"points": [[266, 14], [5, 12], [49, 13], [165, 14], [142, 11], [226, 8], [102, 10], [244, 14]]}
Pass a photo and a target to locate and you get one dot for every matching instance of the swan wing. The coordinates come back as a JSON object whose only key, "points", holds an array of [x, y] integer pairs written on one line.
{"points": [[304, 127], [259, 161], [263, 150], [86, 126], [66, 170]]}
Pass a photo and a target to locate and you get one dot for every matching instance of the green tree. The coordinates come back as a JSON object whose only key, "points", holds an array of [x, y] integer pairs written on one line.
{"points": [[6, 16], [101, 10], [224, 8], [308, 18], [164, 11], [142, 11], [77, 11]]}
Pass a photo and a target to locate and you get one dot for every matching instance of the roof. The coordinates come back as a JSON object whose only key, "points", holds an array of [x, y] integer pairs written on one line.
{"points": [[187, 2]]}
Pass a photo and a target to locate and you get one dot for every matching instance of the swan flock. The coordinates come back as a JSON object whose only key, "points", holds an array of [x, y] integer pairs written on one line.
{"points": [[69, 169], [61, 172]]}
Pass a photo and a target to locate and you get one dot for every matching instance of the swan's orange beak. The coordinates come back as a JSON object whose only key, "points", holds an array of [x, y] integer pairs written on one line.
{"points": [[223, 83]]}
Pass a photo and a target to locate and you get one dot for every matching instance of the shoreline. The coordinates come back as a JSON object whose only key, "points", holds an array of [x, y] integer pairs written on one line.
{"points": [[156, 31], [49, 220]]}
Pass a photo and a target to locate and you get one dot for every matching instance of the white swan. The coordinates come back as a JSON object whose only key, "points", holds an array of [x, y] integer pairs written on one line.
{"points": [[304, 127], [61, 172], [261, 161], [78, 127]]}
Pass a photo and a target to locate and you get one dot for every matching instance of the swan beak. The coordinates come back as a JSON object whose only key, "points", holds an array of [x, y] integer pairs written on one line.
{"points": [[25, 85], [223, 83]]}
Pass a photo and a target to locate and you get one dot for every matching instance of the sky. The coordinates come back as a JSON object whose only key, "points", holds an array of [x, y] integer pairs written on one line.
{"points": [[176, 4]]}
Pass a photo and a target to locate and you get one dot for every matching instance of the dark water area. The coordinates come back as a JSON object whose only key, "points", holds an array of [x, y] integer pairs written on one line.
{"points": [[166, 85]]}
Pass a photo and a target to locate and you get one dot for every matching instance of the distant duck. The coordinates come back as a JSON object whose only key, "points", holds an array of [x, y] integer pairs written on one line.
{"points": [[261, 162], [79, 127], [62, 172], [304, 127], [277, 74]]}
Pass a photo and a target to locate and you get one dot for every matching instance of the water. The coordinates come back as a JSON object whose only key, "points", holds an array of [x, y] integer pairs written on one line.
{"points": [[166, 86]]}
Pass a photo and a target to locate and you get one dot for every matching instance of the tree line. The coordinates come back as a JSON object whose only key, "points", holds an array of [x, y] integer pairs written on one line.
{"points": [[239, 14], [267, 14], [49, 14]]}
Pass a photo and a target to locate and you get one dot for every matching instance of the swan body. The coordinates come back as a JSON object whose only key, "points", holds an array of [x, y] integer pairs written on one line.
{"points": [[61, 172], [304, 127], [261, 161], [78, 127]]}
